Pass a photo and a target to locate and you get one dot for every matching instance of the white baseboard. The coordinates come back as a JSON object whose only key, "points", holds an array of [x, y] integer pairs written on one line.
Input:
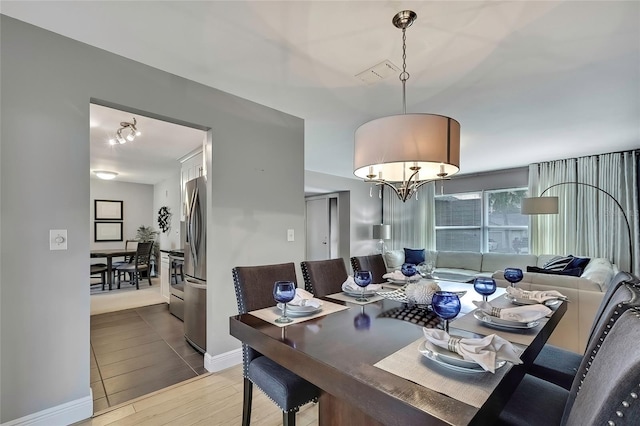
{"points": [[63, 414], [222, 361]]}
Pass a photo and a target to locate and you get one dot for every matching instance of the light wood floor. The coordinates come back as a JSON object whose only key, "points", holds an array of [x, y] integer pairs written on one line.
{"points": [[210, 399]]}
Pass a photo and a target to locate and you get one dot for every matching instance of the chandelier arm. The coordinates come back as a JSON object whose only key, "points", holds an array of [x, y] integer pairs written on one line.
{"points": [[624, 215]]}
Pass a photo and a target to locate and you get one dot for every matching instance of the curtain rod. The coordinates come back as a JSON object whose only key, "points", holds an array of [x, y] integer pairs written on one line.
{"points": [[635, 152]]}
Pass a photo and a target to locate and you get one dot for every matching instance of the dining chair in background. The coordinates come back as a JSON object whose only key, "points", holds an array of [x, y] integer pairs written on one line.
{"points": [[128, 245], [605, 390], [99, 269], [254, 290], [559, 366], [323, 277], [139, 264], [373, 263]]}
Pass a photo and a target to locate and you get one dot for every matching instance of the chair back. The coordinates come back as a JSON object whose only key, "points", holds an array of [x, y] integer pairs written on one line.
{"points": [[373, 263], [607, 393], [619, 279], [143, 254], [130, 245], [254, 290], [322, 277]]}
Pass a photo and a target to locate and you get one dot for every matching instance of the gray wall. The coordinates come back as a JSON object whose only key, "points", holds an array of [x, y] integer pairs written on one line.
{"points": [[365, 210], [137, 208], [47, 82], [499, 179]]}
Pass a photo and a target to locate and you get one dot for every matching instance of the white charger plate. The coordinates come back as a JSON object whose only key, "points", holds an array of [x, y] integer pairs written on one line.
{"points": [[522, 302], [502, 323], [451, 360], [392, 280], [299, 311], [359, 293]]}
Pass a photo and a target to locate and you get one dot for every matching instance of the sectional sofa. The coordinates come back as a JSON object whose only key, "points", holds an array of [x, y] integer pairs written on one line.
{"points": [[584, 292]]}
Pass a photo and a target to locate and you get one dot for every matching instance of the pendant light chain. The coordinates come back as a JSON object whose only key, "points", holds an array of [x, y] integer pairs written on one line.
{"points": [[404, 75]]}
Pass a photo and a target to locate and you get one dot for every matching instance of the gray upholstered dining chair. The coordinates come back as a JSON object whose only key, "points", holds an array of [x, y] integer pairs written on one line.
{"points": [[139, 264], [254, 290], [373, 263], [322, 277], [605, 391], [558, 365]]}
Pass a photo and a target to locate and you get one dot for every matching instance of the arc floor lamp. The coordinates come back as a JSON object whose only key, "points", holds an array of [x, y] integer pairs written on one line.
{"points": [[549, 205]]}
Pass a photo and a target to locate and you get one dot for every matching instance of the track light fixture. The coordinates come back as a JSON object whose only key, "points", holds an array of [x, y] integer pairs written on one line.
{"points": [[127, 132]]}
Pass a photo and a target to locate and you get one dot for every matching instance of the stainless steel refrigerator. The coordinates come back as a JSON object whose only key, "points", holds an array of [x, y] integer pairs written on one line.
{"points": [[195, 264]]}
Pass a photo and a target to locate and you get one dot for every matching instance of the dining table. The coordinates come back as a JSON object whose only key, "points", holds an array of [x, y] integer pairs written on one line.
{"points": [[365, 359], [109, 254]]}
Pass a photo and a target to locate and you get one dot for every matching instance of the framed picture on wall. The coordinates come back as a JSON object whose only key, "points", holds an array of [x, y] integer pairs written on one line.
{"points": [[108, 210], [107, 231]]}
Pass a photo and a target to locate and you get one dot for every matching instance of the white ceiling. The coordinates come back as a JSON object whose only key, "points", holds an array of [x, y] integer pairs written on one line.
{"points": [[528, 80], [150, 158]]}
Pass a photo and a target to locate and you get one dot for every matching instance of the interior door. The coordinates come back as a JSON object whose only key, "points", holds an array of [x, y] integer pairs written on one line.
{"points": [[318, 226]]}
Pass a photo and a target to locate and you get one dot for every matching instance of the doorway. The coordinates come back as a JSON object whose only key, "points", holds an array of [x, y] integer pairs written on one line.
{"points": [[327, 226], [137, 346]]}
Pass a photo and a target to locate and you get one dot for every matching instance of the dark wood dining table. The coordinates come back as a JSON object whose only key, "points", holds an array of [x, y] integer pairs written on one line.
{"points": [[337, 354], [109, 254]]}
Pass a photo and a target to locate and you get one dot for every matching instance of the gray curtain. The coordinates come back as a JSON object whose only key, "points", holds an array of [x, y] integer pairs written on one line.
{"points": [[589, 223], [412, 222]]}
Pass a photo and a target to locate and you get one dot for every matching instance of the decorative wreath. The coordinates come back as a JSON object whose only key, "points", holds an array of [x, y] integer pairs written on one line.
{"points": [[164, 219]]}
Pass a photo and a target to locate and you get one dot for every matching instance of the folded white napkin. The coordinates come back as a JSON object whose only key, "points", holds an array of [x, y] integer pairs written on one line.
{"points": [[522, 314], [485, 351], [351, 286], [395, 275], [538, 296], [304, 298]]}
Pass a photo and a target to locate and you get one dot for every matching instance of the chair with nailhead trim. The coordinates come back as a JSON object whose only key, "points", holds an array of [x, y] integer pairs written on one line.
{"points": [[604, 392], [323, 277], [558, 365], [373, 263], [254, 290]]}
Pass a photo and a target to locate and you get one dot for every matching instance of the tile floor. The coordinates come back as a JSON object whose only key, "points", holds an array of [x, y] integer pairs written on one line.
{"points": [[138, 351]]}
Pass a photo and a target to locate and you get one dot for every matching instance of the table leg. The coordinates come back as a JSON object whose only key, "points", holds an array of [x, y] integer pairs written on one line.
{"points": [[109, 272]]}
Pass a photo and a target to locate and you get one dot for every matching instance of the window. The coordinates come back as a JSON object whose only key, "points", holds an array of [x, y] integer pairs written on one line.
{"points": [[488, 221]]}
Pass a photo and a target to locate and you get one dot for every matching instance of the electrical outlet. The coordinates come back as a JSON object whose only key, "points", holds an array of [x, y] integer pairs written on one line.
{"points": [[290, 235], [57, 239]]}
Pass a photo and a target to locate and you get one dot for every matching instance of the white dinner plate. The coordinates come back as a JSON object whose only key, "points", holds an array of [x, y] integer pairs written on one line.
{"points": [[522, 302], [451, 360], [392, 280], [299, 311], [502, 323]]}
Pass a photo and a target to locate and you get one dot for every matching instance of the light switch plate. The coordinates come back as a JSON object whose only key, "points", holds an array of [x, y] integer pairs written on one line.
{"points": [[290, 235], [57, 239]]}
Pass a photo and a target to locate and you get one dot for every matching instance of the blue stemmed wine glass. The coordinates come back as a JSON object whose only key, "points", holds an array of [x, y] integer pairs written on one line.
{"points": [[409, 270], [446, 305], [513, 275], [362, 279], [362, 321], [284, 292], [485, 286]]}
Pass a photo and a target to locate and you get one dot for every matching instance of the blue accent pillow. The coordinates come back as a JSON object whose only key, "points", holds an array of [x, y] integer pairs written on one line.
{"points": [[578, 262], [574, 272], [414, 256]]}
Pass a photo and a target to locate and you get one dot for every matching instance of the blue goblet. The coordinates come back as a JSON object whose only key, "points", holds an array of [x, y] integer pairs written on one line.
{"points": [[485, 286], [513, 275], [446, 305], [410, 271], [362, 279], [284, 292]]}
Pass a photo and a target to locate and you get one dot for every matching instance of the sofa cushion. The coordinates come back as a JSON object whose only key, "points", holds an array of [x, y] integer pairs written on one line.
{"points": [[492, 262], [600, 271], [459, 260], [394, 259], [414, 256]]}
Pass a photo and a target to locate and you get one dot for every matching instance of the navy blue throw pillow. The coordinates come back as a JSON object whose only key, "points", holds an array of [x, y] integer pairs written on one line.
{"points": [[414, 256], [574, 272], [578, 262]]}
